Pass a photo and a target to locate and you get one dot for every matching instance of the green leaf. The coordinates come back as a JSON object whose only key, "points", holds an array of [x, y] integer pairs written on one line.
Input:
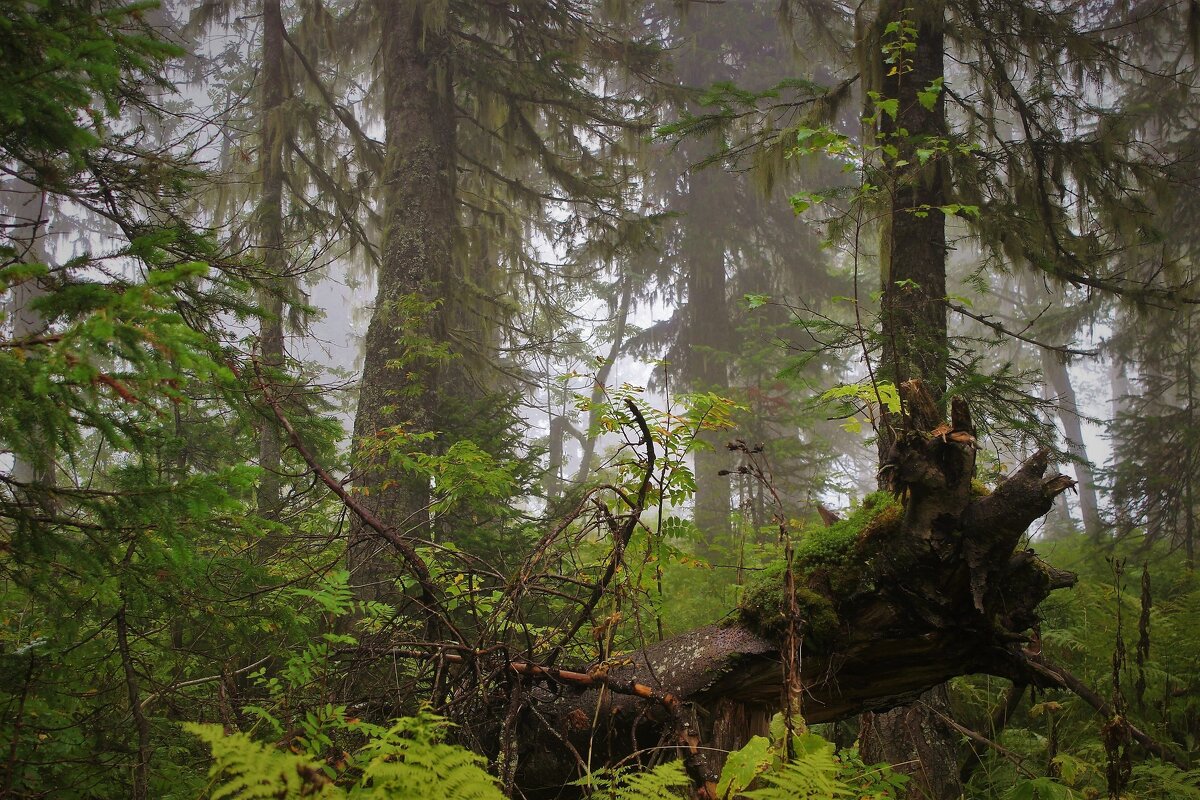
{"points": [[757, 300], [744, 765], [929, 96]]}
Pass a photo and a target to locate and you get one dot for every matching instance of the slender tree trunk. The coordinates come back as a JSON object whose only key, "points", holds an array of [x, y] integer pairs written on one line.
{"points": [[271, 244], [552, 480], [709, 338], [591, 434], [1068, 413], [400, 381], [914, 329], [1119, 406], [1189, 499], [27, 211]]}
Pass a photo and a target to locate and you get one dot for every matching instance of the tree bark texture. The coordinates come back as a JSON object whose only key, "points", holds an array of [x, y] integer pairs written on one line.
{"points": [[918, 743], [935, 590], [401, 376], [913, 237]]}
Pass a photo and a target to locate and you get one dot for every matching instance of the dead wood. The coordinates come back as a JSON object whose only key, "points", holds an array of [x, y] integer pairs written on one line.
{"points": [[937, 585]]}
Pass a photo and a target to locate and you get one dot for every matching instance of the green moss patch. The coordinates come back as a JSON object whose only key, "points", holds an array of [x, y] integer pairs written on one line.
{"points": [[763, 607], [824, 557]]}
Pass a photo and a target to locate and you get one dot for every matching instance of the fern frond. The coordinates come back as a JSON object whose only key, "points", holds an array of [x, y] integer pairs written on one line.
{"points": [[248, 770], [667, 781]]}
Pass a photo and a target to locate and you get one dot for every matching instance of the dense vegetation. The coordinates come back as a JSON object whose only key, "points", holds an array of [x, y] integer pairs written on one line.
{"points": [[639, 399]]}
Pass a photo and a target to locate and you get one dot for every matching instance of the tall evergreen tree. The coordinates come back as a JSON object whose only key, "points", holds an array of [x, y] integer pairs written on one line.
{"points": [[491, 121]]}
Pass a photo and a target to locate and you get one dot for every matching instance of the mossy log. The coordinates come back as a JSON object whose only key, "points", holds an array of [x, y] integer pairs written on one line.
{"points": [[922, 584]]}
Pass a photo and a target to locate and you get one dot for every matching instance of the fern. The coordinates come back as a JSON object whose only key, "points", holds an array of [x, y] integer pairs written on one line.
{"points": [[667, 781], [815, 772], [248, 770], [407, 760]]}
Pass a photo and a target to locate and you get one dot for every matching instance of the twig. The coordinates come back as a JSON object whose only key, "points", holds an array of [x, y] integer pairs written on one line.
{"points": [[999, 328], [980, 739], [622, 536]]}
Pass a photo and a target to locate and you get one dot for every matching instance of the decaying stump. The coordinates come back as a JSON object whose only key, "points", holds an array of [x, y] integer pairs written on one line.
{"points": [[922, 584]]}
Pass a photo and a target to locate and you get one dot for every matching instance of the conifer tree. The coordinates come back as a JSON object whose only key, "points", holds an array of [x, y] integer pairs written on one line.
{"points": [[491, 120]]}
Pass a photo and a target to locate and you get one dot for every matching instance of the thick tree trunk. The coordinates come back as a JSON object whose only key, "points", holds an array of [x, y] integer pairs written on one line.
{"points": [[708, 331], [934, 590], [271, 244], [915, 739], [400, 380], [913, 238], [913, 313]]}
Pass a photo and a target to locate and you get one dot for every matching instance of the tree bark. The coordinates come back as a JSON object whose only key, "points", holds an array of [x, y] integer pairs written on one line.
{"points": [[913, 315], [913, 239], [400, 381], [917, 741], [271, 244]]}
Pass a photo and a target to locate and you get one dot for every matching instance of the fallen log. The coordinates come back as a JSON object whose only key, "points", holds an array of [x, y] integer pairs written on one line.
{"points": [[923, 583]]}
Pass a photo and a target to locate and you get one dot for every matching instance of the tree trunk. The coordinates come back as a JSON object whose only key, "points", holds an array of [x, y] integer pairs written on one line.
{"points": [[26, 209], [916, 740], [1068, 413], [709, 342], [400, 380], [591, 433], [913, 239], [913, 316], [707, 339], [271, 244]]}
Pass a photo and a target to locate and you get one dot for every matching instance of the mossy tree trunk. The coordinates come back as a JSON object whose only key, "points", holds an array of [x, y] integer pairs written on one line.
{"points": [[400, 368], [902, 599]]}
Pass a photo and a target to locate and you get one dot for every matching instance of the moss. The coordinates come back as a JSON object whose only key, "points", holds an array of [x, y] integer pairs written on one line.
{"points": [[763, 608], [979, 488], [824, 557], [837, 545]]}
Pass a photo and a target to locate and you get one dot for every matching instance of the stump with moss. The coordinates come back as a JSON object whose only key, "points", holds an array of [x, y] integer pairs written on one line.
{"points": [[920, 584]]}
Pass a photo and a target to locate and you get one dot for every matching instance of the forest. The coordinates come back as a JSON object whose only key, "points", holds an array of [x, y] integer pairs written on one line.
{"points": [[614, 399]]}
